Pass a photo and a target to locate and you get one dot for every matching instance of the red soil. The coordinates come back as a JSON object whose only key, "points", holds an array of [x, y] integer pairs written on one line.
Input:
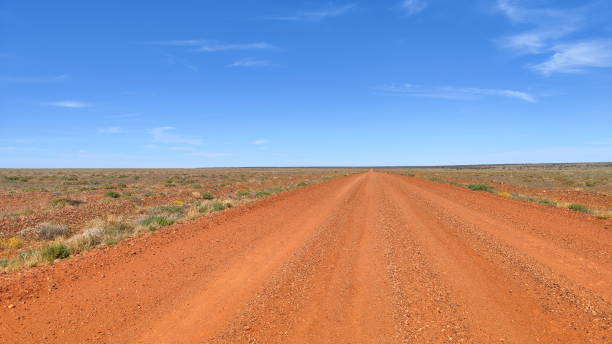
{"points": [[368, 258]]}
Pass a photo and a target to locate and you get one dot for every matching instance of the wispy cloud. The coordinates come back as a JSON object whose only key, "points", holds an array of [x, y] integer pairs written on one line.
{"points": [[449, 92], [167, 135], [248, 62], [260, 142], [244, 46], [548, 32], [412, 7], [33, 79], [110, 130], [69, 104], [316, 15], [577, 57], [215, 46]]}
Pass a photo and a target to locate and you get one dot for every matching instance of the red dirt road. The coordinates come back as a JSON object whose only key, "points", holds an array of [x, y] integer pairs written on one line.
{"points": [[369, 258]]}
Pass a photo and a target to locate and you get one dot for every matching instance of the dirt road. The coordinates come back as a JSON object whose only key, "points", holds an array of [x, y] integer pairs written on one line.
{"points": [[368, 258]]}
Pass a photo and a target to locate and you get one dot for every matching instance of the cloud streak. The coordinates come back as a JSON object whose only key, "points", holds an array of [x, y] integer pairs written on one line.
{"points": [[69, 104], [260, 142], [33, 79], [214, 46], [318, 15], [449, 92], [248, 62], [548, 34], [412, 7]]}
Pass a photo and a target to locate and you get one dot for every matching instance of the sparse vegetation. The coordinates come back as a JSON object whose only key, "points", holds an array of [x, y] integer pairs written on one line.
{"points": [[62, 202], [144, 207], [218, 206], [579, 207], [112, 194], [45, 231], [480, 187], [54, 252]]}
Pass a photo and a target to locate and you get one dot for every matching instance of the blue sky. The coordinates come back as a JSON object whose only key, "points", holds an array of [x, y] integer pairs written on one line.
{"points": [[295, 83]]}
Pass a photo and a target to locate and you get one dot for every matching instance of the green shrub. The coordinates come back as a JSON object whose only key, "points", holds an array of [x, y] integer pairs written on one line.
{"points": [[170, 209], [197, 186], [302, 183], [54, 252], [480, 187], [242, 193], [112, 194], [160, 220], [203, 209], [261, 194], [62, 202], [208, 195], [218, 206], [4, 263], [579, 207], [547, 202]]}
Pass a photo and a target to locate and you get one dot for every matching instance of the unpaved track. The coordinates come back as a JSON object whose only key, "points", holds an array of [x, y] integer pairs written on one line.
{"points": [[368, 258]]}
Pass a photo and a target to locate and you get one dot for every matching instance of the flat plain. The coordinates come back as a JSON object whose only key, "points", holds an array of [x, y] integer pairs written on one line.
{"points": [[369, 256]]}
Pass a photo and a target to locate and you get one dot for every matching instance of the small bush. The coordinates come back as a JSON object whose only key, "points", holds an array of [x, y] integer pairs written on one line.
{"points": [[579, 207], [480, 187], [4, 263], [242, 193], [261, 194], [197, 186], [54, 252], [170, 209], [547, 202], [505, 194], [11, 243], [45, 231], [302, 183], [62, 202], [203, 209], [159, 220], [112, 194], [218, 206], [208, 196]]}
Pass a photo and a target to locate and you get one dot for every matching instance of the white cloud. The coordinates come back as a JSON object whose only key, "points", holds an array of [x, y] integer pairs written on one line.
{"points": [[260, 141], [576, 57], [329, 12], [448, 92], [110, 130], [214, 46], [250, 63], [411, 7], [167, 135], [185, 42], [33, 79], [69, 104], [549, 34], [226, 47]]}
